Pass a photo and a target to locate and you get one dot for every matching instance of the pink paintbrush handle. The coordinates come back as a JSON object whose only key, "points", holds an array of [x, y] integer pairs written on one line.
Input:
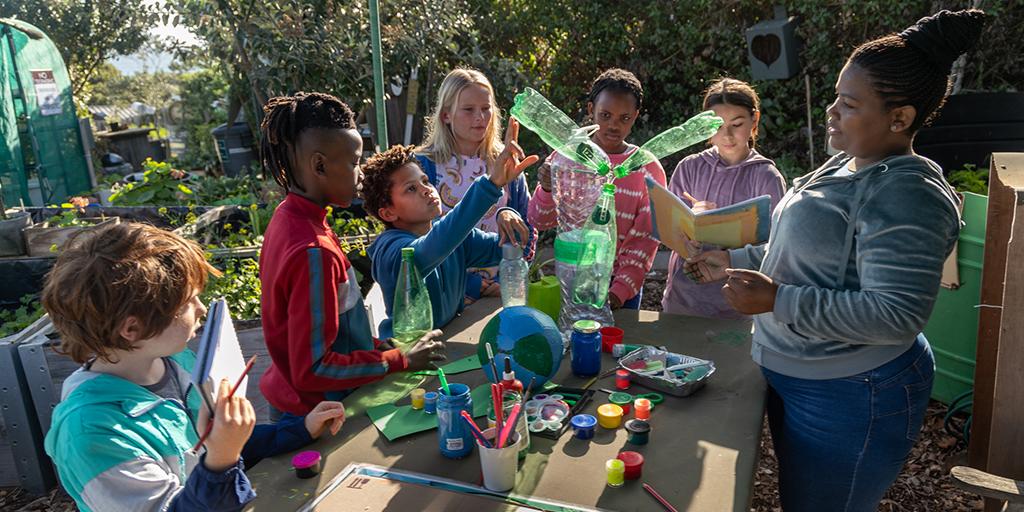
{"points": [[510, 425]]}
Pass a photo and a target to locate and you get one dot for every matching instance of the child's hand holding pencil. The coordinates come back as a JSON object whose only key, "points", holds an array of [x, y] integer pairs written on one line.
{"points": [[233, 422]]}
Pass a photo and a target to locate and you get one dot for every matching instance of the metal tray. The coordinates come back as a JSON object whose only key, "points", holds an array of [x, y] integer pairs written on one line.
{"points": [[659, 382]]}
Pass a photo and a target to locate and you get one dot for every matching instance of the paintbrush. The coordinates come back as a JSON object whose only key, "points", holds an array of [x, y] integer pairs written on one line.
{"points": [[475, 430], [510, 425], [490, 358], [444, 382], [498, 409]]}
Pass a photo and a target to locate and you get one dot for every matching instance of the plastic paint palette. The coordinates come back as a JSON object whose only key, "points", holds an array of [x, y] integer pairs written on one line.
{"points": [[551, 412]]}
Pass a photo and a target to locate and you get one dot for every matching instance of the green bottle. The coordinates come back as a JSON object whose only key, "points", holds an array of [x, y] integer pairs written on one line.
{"points": [[699, 127], [412, 316], [597, 252], [558, 131]]}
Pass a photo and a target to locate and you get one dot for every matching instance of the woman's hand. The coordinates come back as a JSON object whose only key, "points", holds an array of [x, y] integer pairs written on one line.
{"points": [[512, 228], [325, 413], [750, 292]]}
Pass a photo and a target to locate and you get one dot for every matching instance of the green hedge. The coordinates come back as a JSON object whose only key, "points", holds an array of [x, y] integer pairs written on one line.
{"points": [[676, 48]]}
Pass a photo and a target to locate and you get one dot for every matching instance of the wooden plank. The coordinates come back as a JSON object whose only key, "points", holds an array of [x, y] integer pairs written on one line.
{"points": [[997, 442], [1000, 218], [1006, 435], [987, 484]]}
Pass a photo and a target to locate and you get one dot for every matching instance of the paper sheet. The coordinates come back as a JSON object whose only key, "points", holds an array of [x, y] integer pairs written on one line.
{"points": [[220, 354], [399, 421]]}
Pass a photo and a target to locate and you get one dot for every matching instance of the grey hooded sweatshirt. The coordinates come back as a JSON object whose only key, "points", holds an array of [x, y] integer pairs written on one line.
{"points": [[858, 260]]}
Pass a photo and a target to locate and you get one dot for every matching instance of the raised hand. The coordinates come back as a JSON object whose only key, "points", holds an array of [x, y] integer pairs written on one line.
{"points": [[512, 161]]}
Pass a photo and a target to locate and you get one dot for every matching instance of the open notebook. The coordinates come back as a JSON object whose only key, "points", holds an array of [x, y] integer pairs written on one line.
{"points": [[219, 355], [746, 222]]}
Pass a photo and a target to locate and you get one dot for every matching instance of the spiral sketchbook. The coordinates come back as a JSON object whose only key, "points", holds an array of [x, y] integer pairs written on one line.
{"points": [[729, 227], [219, 355]]}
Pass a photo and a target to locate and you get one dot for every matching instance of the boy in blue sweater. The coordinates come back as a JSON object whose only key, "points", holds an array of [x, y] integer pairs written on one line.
{"points": [[125, 300], [397, 192]]}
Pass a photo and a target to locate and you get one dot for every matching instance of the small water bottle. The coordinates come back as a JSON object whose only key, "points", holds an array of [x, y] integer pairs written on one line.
{"points": [[513, 274]]}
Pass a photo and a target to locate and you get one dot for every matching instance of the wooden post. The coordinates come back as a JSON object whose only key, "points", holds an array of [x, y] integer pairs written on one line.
{"points": [[997, 438]]}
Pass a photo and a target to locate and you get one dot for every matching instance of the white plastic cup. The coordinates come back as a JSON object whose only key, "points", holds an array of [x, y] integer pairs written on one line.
{"points": [[499, 465]]}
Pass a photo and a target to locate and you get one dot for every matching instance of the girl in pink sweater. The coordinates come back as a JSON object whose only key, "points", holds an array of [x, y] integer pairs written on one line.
{"points": [[613, 104]]}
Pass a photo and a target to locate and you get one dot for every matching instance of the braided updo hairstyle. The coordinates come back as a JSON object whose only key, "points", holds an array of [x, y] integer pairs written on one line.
{"points": [[286, 117], [913, 67], [617, 80]]}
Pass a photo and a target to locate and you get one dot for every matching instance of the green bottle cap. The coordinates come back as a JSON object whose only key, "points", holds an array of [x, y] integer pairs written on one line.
{"points": [[407, 253], [608, 188]]}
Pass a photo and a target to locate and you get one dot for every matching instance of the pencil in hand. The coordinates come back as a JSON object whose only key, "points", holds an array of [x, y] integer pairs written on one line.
{"points": [[209, 424]]}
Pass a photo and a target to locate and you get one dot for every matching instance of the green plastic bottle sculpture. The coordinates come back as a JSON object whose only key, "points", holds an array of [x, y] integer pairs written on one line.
{"points": [[412, 316], [699, 127], [597, 253], [558, 131]]}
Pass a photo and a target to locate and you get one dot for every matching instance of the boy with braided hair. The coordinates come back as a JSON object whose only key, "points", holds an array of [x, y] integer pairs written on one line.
{"points": [[314, 322]]}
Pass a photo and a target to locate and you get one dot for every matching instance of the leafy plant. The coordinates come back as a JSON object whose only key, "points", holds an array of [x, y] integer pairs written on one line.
{"points": [[970, 179], [161, 185], [70, 214], [345, 224], [239, 284], [14, 321]]}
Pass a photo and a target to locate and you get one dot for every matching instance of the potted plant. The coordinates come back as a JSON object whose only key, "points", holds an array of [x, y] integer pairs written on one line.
{"points": [[46, 238]]}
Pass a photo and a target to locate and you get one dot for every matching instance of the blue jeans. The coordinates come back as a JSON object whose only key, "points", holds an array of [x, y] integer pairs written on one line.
{"points": [[842, 442]]}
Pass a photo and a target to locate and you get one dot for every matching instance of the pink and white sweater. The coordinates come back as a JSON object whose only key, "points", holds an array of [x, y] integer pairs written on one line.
{"points": [[636, 248]]}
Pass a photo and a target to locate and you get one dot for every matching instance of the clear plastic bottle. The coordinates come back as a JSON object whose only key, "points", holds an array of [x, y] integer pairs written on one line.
{"points": [[513, 274], [412, 316], [597, 253], [699, 127], [559, 132]]}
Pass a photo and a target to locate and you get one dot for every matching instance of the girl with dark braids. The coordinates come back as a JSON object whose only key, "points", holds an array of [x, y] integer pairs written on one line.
{"points": [[850, 274], [314, 321]]}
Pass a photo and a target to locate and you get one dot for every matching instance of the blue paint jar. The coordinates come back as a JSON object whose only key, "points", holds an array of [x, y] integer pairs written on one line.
{"points": [[430, 402], [583, 426], [586, 348], [453, 434]]}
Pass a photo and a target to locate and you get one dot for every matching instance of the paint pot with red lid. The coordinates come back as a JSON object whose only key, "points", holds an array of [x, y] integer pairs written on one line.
{"points": [[307, 464], [622, 378], [634, 464]]}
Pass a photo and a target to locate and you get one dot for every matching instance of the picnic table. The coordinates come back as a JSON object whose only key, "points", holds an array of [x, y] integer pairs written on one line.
{"points": [[702, 454]]}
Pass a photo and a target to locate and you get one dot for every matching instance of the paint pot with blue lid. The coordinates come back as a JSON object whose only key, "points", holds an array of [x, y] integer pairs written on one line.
{"points": [[583, 425], [453, 434], [430, 402]]}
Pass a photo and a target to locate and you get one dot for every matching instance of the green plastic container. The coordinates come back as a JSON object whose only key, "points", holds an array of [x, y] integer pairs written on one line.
{"points": [[545, 295], [952, 329]]}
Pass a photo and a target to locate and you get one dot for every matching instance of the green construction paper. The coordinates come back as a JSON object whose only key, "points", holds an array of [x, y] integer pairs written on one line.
{"points": [[388, 390], [463, 365], [399, 421]]}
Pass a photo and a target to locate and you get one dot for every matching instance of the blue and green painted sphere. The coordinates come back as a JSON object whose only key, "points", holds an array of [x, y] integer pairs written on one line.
{"points": [[530, 338]]}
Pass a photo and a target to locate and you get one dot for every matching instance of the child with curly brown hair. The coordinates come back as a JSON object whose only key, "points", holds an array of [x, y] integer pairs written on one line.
{"points": [[397, 191]]}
